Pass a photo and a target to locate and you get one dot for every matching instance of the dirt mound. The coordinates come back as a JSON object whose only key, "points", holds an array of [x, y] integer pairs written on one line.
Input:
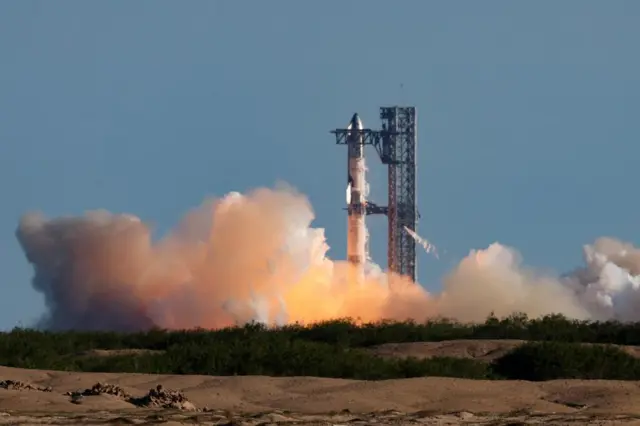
{"points": [[164, 398], [18, 385], [481, 350], [120, 352]]}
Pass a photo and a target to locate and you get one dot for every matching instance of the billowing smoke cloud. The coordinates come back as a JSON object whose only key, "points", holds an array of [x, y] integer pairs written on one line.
{"points": [[255, 257]]}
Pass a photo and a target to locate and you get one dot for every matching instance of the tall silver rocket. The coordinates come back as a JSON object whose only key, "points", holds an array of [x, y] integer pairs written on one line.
{"points": [[356, 196]]}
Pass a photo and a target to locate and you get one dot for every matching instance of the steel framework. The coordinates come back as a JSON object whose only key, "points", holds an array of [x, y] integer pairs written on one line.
{"points": [[396, 145]]}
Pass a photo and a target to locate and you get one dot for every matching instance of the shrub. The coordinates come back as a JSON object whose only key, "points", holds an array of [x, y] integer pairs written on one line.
{"points": [[539, 361], [333, 349]]}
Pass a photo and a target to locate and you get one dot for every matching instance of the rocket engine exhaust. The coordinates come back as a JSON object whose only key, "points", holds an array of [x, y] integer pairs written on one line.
{"points": [[256, 257], [356, 199]]}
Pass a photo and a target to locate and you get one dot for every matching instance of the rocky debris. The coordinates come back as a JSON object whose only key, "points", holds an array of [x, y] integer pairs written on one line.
{"points": [[464, 415], [18, 385], [155, 398], [164, 398], [77, 398], [100, 389]]}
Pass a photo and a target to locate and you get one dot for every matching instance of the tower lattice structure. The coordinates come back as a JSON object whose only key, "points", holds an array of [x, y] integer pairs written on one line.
{"points": [[396, 145]]}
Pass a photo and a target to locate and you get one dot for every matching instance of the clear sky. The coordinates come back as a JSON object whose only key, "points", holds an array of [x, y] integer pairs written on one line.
{"points": [[528, 116]]}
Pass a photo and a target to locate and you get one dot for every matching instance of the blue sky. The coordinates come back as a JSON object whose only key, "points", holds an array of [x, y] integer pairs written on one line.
{"points": [[528, 115]]}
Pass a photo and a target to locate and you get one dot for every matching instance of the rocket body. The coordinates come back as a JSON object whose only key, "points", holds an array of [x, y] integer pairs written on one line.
{"points": [[356, 197]]}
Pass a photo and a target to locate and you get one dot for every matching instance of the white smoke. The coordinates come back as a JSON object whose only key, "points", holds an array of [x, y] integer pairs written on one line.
{"points": [[255, 257], [609, 284]]}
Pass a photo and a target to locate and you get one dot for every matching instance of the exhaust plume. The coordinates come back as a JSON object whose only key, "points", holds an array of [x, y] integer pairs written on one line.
{"points": [[426, 245], [255, 257]]}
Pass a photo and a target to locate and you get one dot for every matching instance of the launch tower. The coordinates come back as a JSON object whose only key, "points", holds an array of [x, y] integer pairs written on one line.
{"points": [[396, 145]]}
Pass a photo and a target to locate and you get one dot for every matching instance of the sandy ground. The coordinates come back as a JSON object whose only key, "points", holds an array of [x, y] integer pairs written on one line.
{"points": [[317, 401]]}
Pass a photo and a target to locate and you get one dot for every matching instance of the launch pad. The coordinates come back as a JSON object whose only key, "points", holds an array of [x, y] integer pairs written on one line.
{"points": [[396, 144]]}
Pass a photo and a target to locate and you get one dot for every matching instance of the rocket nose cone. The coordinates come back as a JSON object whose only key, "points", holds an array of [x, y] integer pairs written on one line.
{"points": [[355, 121]]}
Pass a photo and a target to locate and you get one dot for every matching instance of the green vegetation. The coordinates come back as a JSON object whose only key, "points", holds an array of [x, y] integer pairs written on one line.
{"points": [[557, 360], [335, 349]]}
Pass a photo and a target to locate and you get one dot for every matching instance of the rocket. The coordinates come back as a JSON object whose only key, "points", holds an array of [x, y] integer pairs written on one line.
{"points": [[356, 193]]}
